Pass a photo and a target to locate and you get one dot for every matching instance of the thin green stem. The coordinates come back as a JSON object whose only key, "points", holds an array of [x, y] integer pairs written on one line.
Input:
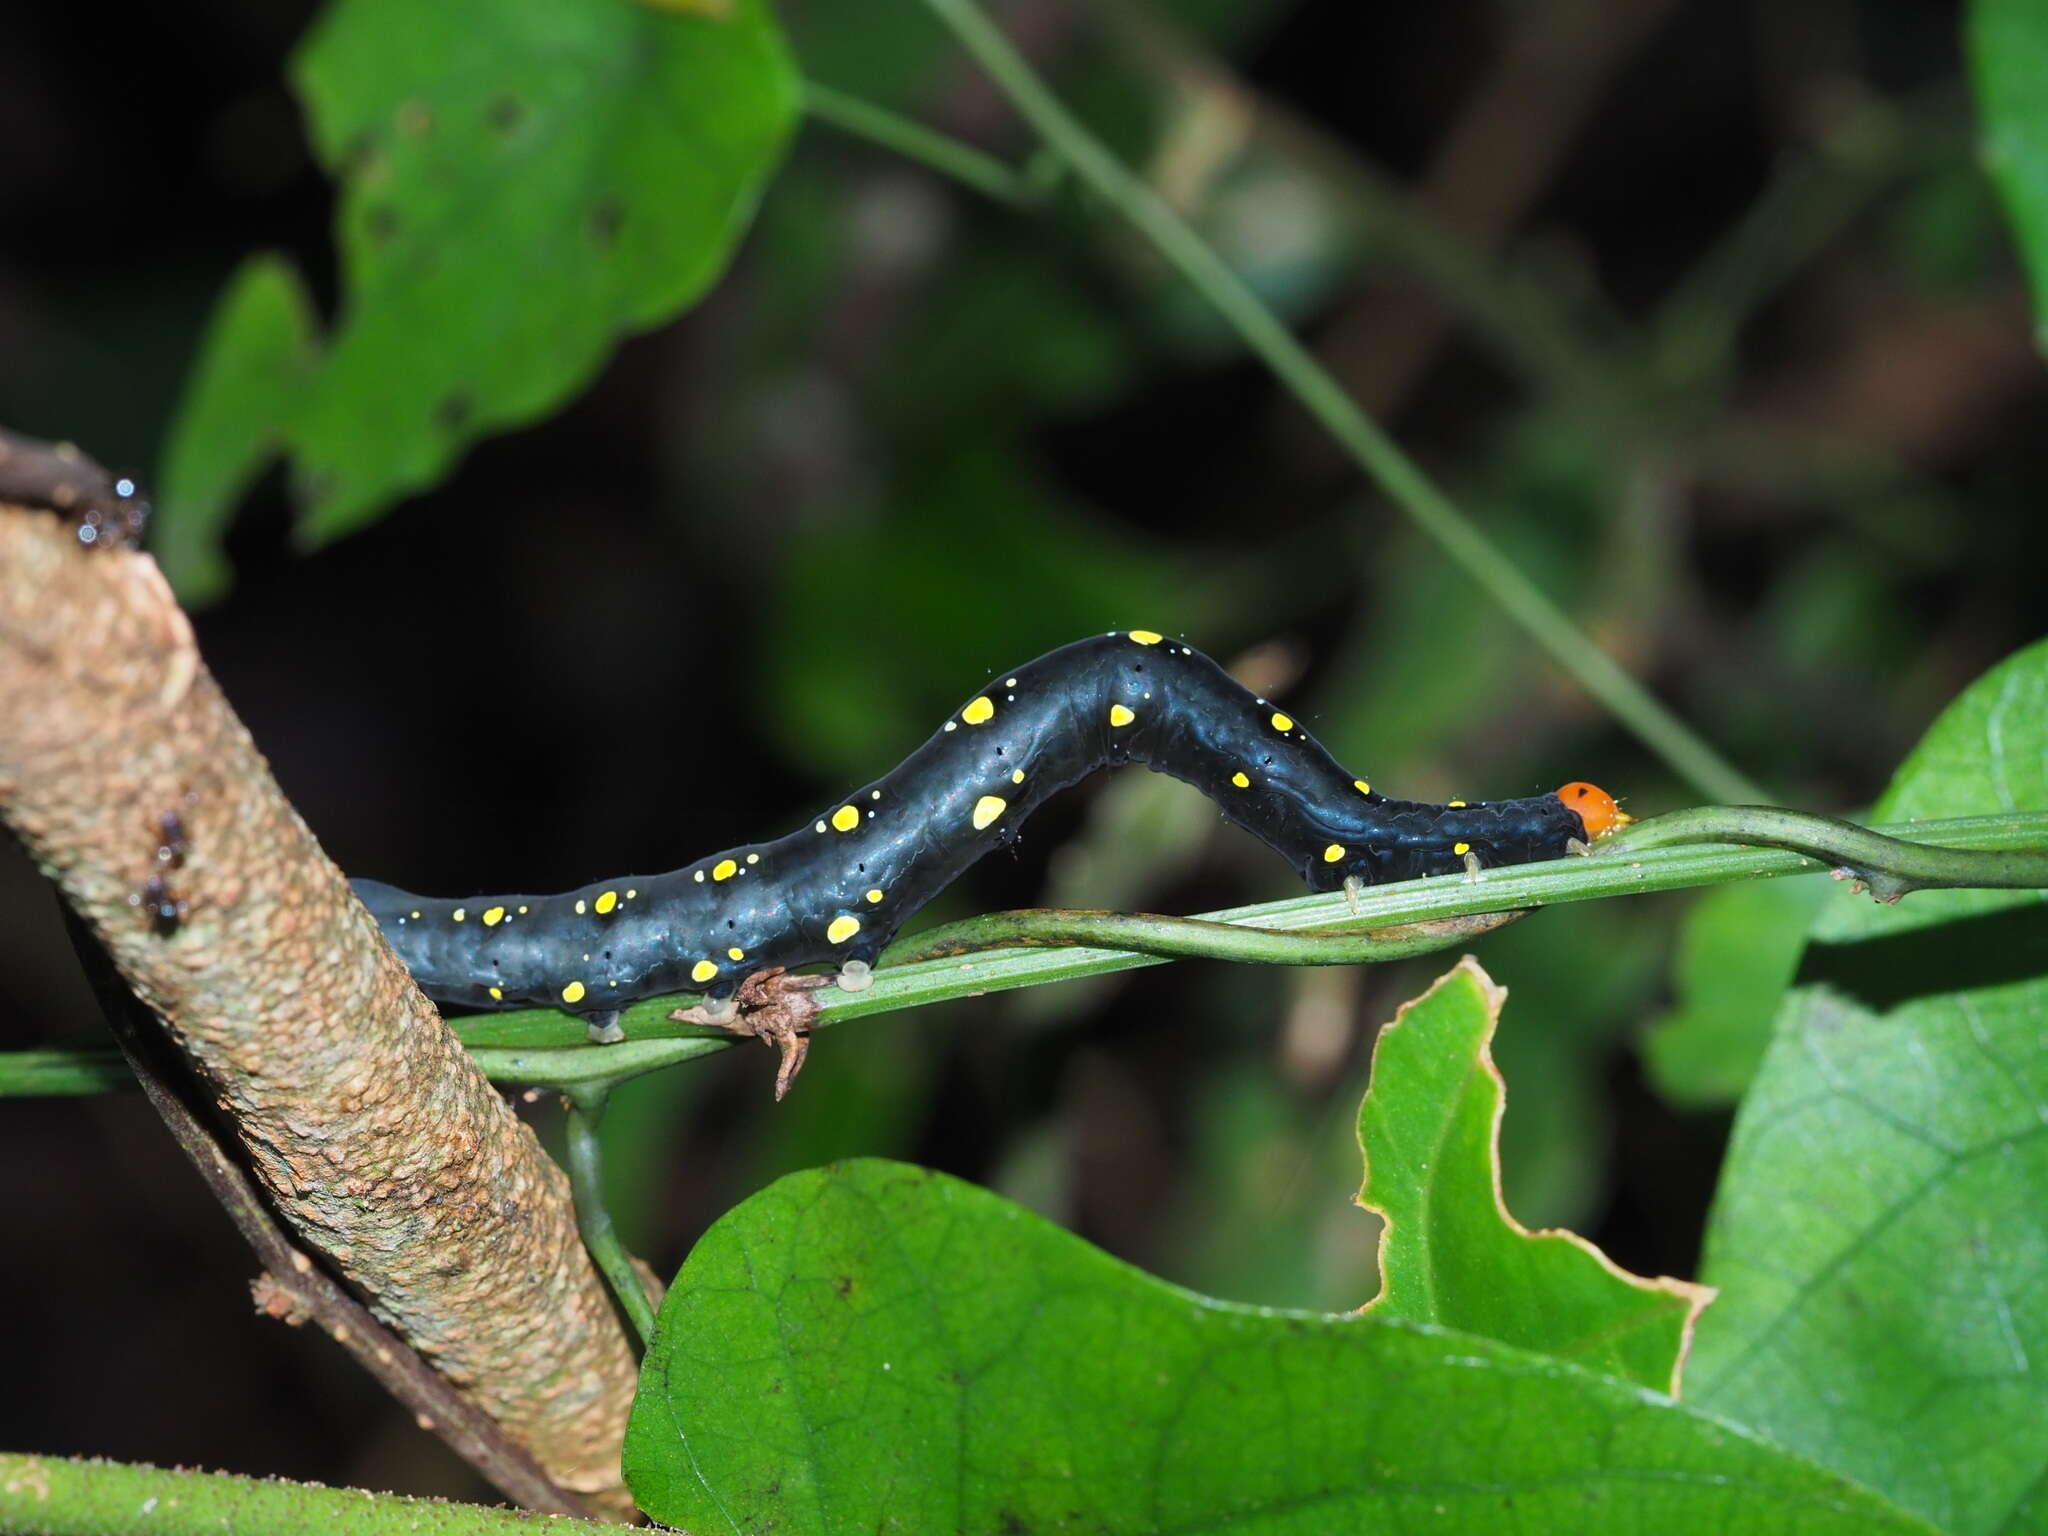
{"points": [[1716, 845], [594, 1217], [63, 1074], [1150, 934], [1691, 757], [61, 1496], [896, 987], [1891, 866], [909, 138]]}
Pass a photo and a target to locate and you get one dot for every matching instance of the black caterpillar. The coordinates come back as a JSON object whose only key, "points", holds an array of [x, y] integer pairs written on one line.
{"points": [[838, 889]]}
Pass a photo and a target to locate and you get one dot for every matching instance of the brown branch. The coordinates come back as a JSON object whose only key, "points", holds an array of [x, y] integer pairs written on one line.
{"points": [[379, 1145], [294, 1288], [103, 508]]}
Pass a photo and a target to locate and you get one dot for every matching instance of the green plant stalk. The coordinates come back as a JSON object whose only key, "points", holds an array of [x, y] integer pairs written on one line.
{"points": [[1181, 937], [1691, 757], [1891, 866], [909, 138], [594, 1217], [1711, 846], [60, 1496], [63, 1074]]}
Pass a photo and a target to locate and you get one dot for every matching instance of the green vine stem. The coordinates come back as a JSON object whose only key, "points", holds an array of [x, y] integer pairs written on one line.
{"points": [[59, 1496], [1691, 757], [544, 1047], [63, 1074], [1890, 866], [973, 168], [1148, 933], [594, 1217]]}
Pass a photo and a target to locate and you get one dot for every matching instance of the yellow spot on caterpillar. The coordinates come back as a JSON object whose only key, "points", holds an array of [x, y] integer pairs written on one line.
{"points": [[494, 917], [1456, 804], [978, 710], [415, 914], [1017, 776], [584, 906], [497, 994], [842, 929], [1146, 637], [631, 894], [458, 914], [1282, 723], [703, 971], [1361, 786], [1461, 847], [736, 954], [522, 911], [1332, 853], [846, 818], [573, 993], [753, 858], [724, 869], [987, 809], [874, 895], [606, 902], [1240, 781], [1118, 715]]}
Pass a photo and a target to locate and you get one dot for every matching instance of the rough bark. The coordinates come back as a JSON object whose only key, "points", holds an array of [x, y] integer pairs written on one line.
{"points": [[375, 1137]]}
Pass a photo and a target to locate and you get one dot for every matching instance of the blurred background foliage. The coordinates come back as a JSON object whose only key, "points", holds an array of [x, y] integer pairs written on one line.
{"points": [[1705, 312]]}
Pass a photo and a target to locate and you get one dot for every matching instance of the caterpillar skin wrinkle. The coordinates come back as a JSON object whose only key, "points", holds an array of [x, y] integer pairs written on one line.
{"points": [[837, 889]]}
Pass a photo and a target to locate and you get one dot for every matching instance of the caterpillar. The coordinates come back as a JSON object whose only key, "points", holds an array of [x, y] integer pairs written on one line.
{"points": [[837, 889]]}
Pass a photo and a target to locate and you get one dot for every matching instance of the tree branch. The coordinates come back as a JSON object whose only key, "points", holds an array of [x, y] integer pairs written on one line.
{"points": [[293, 1287], [380, 1145]]}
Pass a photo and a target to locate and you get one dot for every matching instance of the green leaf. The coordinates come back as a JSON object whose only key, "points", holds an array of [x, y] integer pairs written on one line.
{"points": [[2008, 48], [525, 181], [1737, 953], [1450, 1253], [1880, 1237], [873, 1347], [260, 348]]}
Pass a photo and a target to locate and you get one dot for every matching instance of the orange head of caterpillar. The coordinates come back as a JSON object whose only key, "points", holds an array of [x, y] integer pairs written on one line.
{"points": [[1599, 810]]}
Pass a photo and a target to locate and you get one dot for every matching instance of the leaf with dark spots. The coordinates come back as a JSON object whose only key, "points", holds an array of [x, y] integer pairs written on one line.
{"points": [[524, 183]]}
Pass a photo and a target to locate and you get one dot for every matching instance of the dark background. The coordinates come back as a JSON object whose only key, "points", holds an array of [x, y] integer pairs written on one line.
{"points": [[1785, 474]]}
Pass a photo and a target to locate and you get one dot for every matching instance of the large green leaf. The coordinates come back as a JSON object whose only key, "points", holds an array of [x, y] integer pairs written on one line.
{"points": [[874, 1347], [1880, 1237], [2008, 47], [524, 182], [1451, 1254]]}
